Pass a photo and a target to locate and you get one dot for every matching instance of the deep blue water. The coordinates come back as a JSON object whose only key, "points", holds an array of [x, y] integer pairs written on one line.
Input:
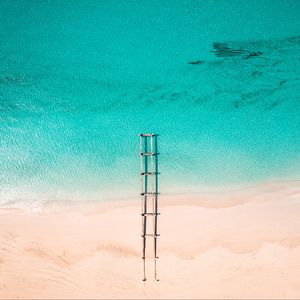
{"points": [[79, 80]]}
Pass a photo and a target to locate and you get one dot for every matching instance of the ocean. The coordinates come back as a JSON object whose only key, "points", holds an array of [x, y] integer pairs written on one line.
{"points": [[79, 80]]}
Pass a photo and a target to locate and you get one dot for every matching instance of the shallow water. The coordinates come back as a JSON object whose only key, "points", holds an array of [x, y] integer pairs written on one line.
{"points": [[79, 81]]}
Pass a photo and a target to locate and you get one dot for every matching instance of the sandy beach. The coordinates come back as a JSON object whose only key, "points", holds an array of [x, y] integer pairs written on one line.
{"points": [[244, 246]]}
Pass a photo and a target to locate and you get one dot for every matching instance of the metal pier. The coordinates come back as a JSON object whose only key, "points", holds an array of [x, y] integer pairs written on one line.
{"points": [[149, 194]]}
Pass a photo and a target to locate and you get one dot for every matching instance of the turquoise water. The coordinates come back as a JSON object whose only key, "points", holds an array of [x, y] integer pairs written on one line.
{"points": [[79, 80]]}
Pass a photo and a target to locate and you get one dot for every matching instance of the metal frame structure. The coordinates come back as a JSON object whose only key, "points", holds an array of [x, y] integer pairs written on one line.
{"points": [[149, 194]]}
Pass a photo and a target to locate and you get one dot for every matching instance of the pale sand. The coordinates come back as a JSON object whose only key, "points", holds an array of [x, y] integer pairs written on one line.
{"points": [[237, 245]]}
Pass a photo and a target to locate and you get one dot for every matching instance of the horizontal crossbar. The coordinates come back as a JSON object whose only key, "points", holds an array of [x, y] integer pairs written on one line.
{"points": [[145, 194], [148, 154], [150, 214], [149, 173], [150, 234], [148, 134]]}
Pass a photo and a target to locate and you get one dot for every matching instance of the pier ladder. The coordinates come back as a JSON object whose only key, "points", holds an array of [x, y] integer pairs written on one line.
{"points": [[149, 194]]}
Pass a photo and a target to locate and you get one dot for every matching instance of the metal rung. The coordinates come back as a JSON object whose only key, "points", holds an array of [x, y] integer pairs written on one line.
{"points": [[150, 214], [148, 153], [143, 257], [149, 173], [148, 134], [150, 234], [145, 194]]}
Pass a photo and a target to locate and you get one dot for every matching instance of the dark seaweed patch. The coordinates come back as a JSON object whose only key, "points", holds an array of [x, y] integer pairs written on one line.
{"points": [[253, 54], [236, 104], [282, 82], [256, 73], [196, 62], [293, 39], [222, 50], [10, 79], [276, 63]]}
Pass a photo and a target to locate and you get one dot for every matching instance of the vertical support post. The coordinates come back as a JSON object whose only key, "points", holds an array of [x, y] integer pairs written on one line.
{"points": [[144, 189], [155, 196]]}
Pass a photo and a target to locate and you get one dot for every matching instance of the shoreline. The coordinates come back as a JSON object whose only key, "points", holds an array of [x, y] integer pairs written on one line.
{"points": [[209, 197]]}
